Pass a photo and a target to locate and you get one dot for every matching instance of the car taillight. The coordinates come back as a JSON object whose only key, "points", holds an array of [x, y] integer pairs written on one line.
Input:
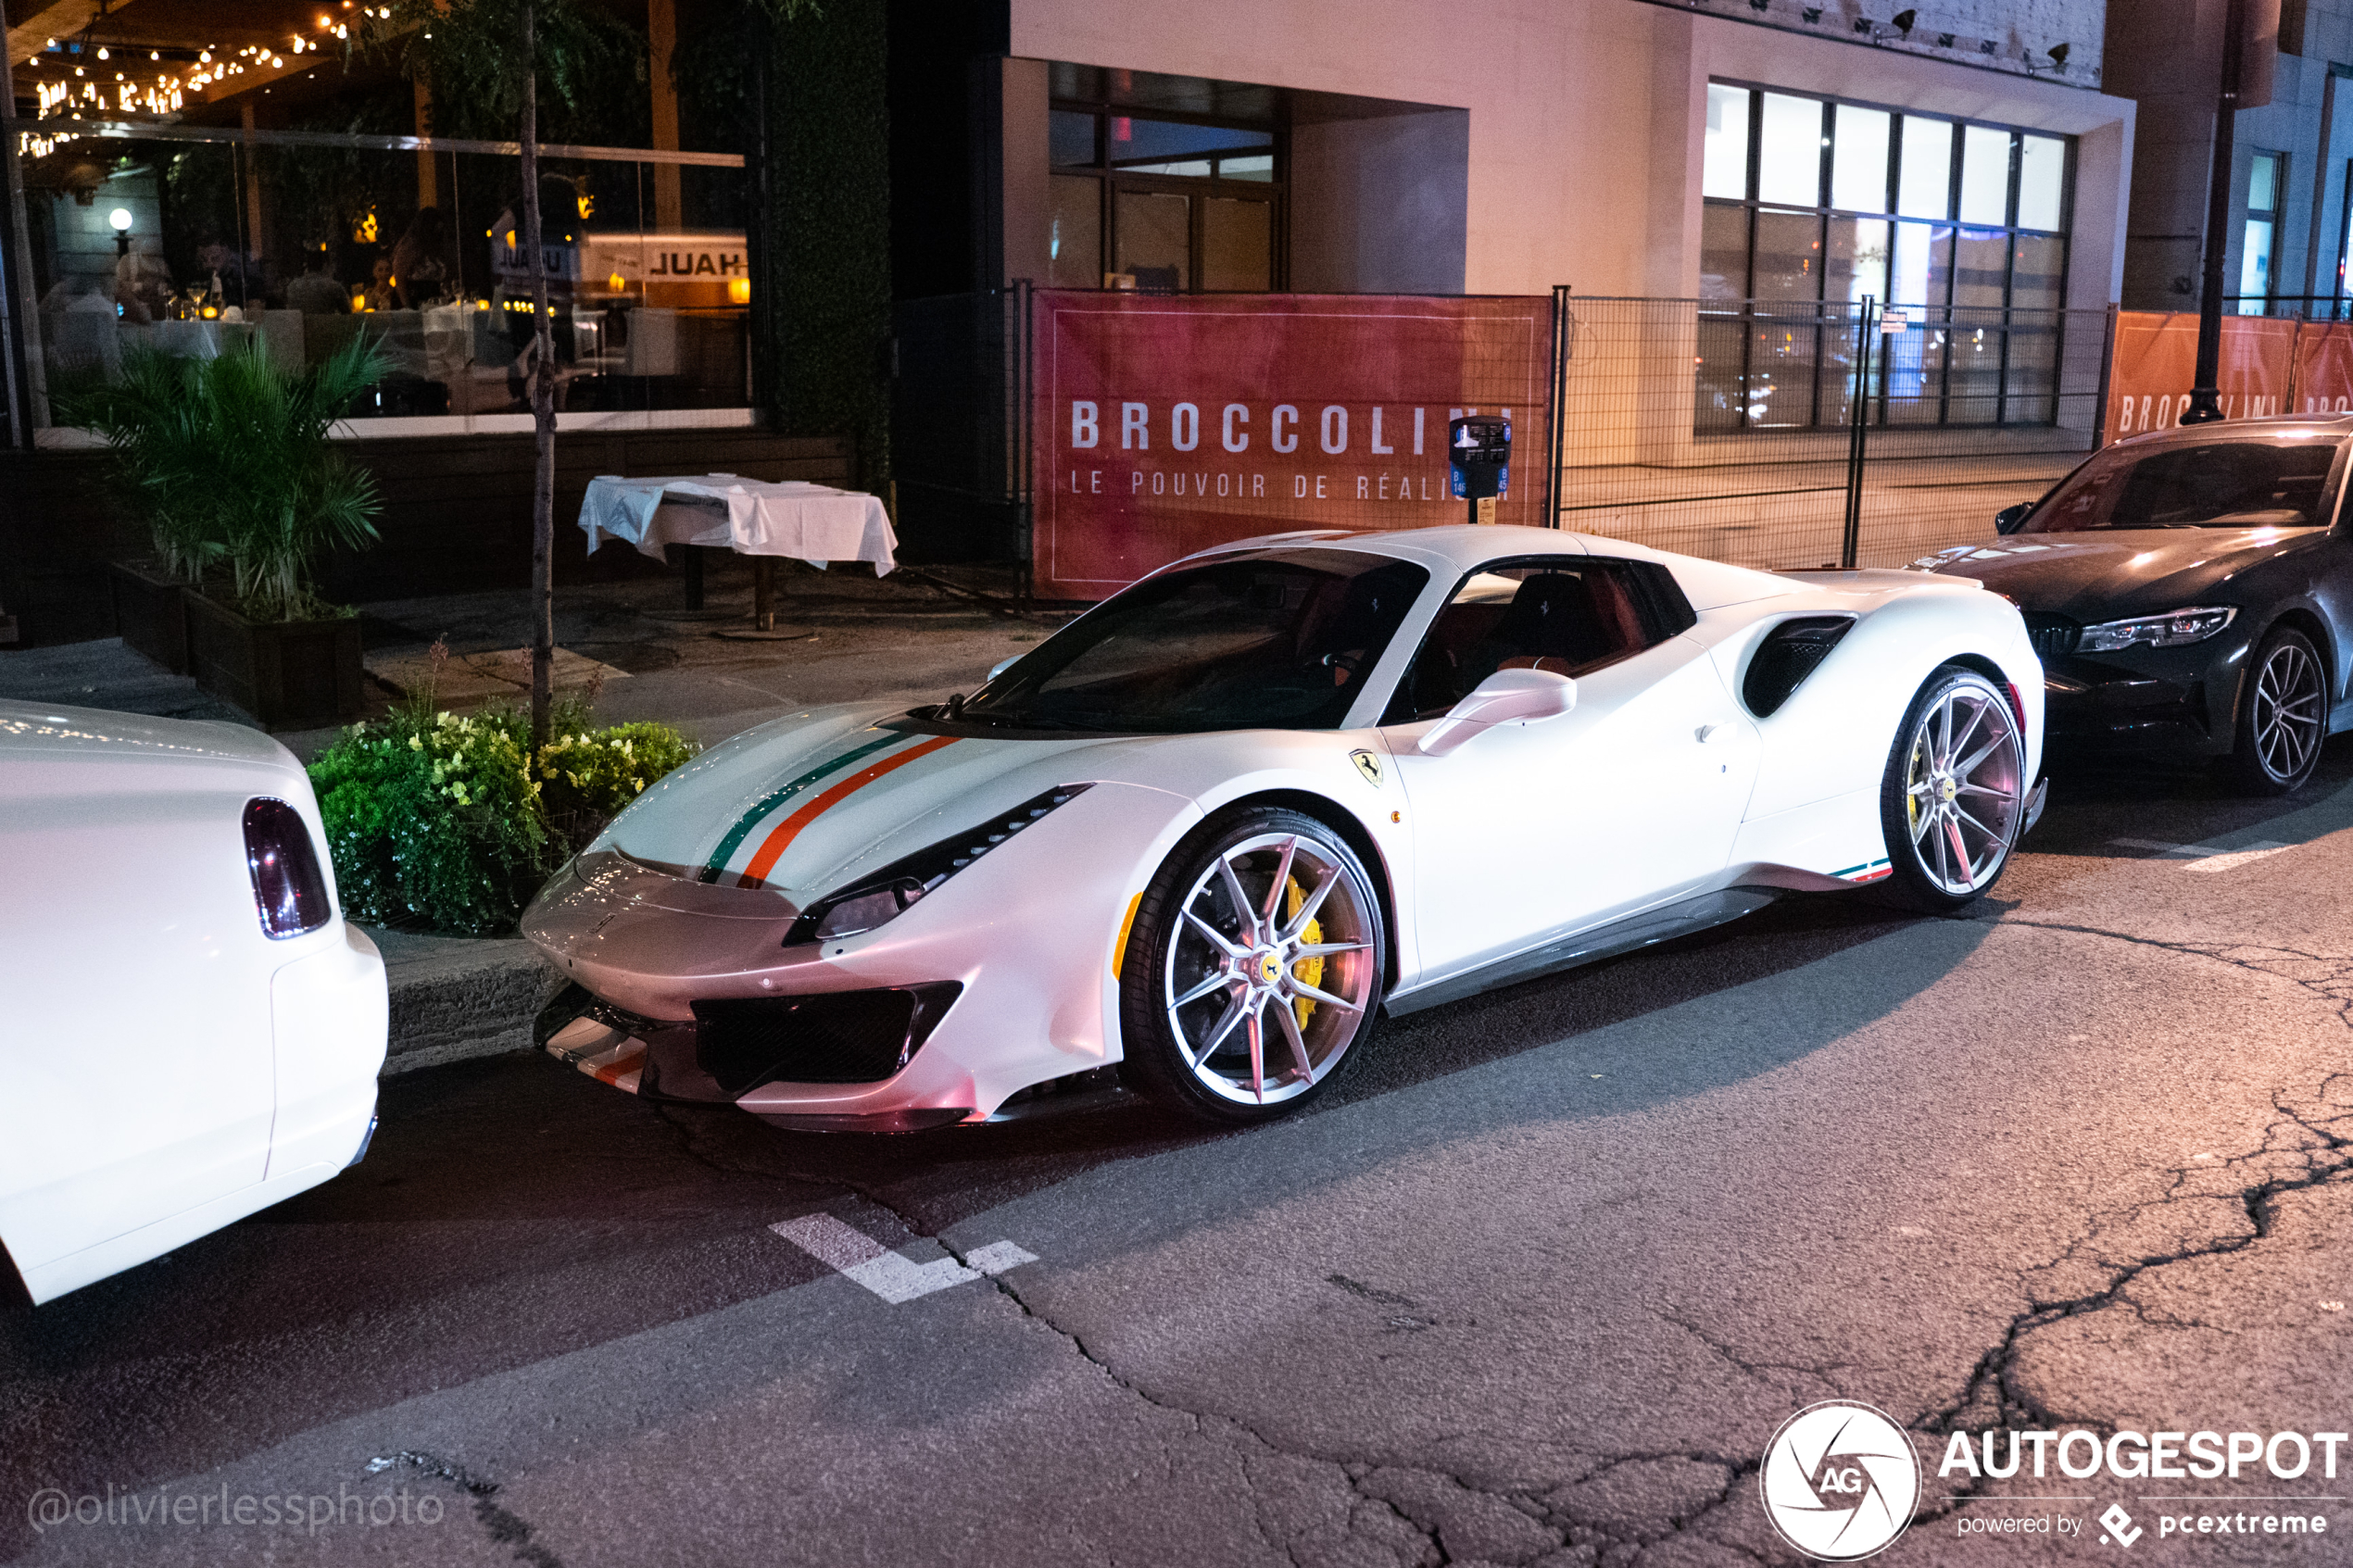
{"points": [[287, 888]]}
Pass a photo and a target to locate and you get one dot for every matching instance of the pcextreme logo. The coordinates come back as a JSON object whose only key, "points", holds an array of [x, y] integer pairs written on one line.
{"points": [[1840, 1481]]}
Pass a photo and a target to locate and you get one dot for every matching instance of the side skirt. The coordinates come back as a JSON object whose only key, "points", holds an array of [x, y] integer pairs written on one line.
{"points": [[1642, 930]]}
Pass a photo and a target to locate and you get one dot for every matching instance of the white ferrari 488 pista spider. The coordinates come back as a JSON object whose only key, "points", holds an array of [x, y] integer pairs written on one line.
{"points": [[1213, 828], [194, 1034]]}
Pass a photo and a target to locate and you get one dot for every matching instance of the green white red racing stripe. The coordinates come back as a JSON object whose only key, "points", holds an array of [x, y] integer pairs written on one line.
{"points": [[1871, 871], [779, 837]]}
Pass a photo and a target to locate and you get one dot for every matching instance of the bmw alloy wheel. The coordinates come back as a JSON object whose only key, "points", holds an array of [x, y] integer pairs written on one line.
{"points": [[1963, 788], [2288, 700]]}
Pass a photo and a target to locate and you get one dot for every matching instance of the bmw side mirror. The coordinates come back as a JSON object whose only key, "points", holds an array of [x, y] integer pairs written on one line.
{"points": [[1508, 696], [2009, 519]]}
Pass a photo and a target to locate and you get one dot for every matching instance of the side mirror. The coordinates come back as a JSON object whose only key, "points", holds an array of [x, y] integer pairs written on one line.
{"points": [[1003, 665], [2009, 519], [1508, 696]]}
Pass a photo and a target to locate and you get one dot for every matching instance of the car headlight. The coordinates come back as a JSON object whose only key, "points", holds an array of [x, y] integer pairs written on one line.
{"points": [[872, 900], [2169, 631]]}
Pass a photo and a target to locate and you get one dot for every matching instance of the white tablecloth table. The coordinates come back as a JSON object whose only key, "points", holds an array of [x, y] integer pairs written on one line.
{"points": [[810, 523]]}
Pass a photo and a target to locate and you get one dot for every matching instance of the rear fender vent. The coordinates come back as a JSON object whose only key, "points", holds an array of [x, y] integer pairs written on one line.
{"points": [[1786, 656]]}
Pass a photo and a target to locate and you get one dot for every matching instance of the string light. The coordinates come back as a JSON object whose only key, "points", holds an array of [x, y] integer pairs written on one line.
{"points": [[212, 67]]}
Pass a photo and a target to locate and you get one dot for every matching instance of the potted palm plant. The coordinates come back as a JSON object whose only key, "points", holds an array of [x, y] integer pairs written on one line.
{"points": [[149, 611], [228, 460]]}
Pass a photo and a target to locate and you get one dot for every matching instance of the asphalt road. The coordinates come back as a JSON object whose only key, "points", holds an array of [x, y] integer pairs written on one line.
{"points": [[1537, 1285]]}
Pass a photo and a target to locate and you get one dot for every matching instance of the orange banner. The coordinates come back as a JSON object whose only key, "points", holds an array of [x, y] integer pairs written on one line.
{"points": [[1165, 424], [2324, 368], [2155, 365]]}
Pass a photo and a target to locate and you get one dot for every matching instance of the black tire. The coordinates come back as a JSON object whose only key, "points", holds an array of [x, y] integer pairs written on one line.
{"points": [[1974, 807], [2282, 716], [1247, 979]]}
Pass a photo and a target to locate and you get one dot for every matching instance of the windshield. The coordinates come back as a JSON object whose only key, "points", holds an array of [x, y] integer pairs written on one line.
{"points": [[1277, 641], [2262, 484]]}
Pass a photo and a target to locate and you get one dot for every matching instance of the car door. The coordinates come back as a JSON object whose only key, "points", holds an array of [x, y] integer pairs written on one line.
{"points": [[1531, 830]]}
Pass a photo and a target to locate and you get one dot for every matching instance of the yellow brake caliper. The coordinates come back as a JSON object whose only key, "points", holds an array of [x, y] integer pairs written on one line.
{"points": [[1307, 972], [1911, 800]]}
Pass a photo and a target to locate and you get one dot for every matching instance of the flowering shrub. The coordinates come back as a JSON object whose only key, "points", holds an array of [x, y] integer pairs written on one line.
{"points": [[600, 772], [436, 818]]}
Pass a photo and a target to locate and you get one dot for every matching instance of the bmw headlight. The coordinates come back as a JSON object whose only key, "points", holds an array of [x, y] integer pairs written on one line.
{"points": [[2169, 631], [882, 897]]}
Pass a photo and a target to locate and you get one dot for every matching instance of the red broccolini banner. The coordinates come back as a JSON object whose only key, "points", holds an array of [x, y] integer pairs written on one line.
{"points": [[1165, 424]]}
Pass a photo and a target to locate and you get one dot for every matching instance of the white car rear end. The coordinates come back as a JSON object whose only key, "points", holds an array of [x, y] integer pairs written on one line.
{"points": [[172, 1063]]}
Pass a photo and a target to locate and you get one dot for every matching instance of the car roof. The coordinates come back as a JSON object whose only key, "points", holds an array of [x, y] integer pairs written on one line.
{"points": [[1458, 547], [2281, 427]]}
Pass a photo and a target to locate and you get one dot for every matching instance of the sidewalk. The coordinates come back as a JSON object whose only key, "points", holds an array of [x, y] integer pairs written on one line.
{"points": [[841, 636]]}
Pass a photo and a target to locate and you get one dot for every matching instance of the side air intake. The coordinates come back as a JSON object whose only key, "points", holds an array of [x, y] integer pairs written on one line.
{"points": [[1786, 656]]}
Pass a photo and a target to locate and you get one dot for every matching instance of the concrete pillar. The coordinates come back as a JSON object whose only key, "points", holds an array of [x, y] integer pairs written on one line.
{"points": [[1012, 196], [662, 38], [255, 234], [428, 177]]}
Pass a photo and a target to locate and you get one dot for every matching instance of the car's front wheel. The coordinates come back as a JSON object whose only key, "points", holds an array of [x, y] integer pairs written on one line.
{"points": [[2282, 716], [1252, 973], [1953, 798]]}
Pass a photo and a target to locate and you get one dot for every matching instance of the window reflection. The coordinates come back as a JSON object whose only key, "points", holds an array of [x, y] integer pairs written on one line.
{"points": [[1791, 245], [301, 246], [1167, 213]]}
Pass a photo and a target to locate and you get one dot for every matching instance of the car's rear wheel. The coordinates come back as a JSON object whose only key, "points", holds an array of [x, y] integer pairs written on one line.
{"points": [[1954, 794], [2283, 717], [1252, 973]]}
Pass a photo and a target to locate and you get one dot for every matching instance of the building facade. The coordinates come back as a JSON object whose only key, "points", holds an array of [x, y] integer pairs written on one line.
{"points": [[2291, 158], [1508, 147]]}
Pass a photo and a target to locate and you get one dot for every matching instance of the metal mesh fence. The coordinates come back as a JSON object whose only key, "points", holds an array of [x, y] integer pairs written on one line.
{"points": [[959, 460], [1727, 428]]}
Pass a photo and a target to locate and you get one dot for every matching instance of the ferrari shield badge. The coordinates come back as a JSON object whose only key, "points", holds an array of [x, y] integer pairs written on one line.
{"points": [[1367, 764]]}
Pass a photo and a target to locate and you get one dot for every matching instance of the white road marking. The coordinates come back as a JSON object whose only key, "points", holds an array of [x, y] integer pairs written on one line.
{"points": [[848, 1250], [998, 1256], [2206, 856]]}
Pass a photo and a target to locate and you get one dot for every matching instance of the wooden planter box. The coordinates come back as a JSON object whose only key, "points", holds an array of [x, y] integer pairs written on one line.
{"points": [[150, 614], [287, 675]]}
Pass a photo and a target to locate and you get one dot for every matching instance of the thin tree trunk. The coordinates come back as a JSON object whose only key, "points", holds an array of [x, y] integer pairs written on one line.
{"points": [[542, 383]]}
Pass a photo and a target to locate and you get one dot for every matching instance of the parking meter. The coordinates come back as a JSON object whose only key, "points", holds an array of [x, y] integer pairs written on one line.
{"points": [[1479, 451]]}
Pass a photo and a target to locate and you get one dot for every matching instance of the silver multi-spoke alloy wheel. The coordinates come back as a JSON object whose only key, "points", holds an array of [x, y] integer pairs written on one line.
{"points": [[1267, 981], [1964, 786], [2289, 700]]}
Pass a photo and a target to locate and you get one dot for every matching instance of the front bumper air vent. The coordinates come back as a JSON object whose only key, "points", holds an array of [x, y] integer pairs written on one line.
{"points": [[834, 1038]]}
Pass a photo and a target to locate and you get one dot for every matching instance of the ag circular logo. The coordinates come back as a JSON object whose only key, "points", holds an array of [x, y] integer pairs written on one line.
{"points": [[1840, 1481]]}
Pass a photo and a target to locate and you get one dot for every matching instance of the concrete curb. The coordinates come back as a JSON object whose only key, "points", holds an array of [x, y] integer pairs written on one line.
{"points": [[454, 998]]}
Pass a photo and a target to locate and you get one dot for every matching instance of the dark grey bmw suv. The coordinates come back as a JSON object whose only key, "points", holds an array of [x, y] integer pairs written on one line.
{"points": [[2190, 592]]}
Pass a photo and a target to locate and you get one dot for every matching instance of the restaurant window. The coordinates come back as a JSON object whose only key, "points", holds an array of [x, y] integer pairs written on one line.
{"points": [[2264, 182], [189, 239], [1810, 205], [1162, 206]]}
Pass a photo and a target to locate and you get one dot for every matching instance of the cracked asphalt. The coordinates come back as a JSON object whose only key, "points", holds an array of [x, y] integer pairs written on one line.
{"points": [[1535, 1286]]}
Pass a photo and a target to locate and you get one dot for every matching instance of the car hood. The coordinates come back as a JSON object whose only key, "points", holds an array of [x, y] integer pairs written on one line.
{"points": [[2108, 575], [800, 805]]}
